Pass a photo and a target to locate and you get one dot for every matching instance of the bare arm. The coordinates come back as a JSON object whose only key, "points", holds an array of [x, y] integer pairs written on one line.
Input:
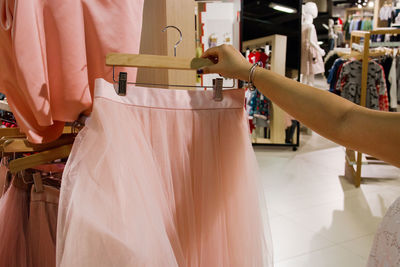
{"points": [[373, 132]]}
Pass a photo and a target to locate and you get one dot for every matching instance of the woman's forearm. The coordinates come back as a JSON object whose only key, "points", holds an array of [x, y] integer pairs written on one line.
{"points": [[373, 132], [318, 109]]}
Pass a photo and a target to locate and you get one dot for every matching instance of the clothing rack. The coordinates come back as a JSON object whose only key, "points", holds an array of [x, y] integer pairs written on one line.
{"points": [[278, 45], [365, 11], [354, 159]]}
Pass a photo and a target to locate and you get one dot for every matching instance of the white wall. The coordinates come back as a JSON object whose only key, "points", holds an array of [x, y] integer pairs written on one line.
{"points": [[221, 19]]}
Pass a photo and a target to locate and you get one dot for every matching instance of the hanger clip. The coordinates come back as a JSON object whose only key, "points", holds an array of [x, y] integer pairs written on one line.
{"points": [[37, 180], [217, 89], [123, 77]]}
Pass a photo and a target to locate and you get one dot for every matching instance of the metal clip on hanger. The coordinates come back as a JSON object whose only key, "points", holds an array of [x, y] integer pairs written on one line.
{"points": [[123, 76], [217, 89], [163, 62]]}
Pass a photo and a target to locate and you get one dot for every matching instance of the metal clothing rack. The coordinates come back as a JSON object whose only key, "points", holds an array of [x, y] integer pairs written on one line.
{"points": [[354, 160]]}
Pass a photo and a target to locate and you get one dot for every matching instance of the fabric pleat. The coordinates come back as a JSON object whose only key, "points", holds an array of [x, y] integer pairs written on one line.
{"points": [[3, 175], [163, 178], [13, 225], [42, 227]]}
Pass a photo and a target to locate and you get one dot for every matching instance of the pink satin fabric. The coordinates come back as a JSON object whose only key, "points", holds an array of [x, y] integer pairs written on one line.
{"points": [[3, 175], [174, 185], [28, 234], [42, 227], [52, 51], [13, 227]]}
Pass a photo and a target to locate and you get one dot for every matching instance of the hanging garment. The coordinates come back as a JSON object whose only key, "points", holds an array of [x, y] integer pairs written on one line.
{"points": [[52, 51], [386, 245], [42, 227], [340, 40], [13, 226], [3, 175], [393, 84], [386, 63], [258, 57], [398, 77], [385, 12], [258, 104], [367, 26], [333, 75], [331, 43], [329, 60], [346, 29], [171, 186], [349, 84], [311, 59], [351, 26]]}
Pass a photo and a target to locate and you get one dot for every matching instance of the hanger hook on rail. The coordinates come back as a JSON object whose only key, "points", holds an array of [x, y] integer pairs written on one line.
{"points": [[180, 36]]}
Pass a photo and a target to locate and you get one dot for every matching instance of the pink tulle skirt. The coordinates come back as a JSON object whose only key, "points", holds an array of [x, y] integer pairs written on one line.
{"points": [[13, 227], [163, 178]]}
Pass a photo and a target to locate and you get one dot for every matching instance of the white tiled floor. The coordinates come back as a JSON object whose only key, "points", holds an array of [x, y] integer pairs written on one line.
{"points": [[317, 218]]}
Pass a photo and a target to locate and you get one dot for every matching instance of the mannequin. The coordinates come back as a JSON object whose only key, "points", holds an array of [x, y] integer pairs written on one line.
{"points": [[311, 62], [332, 36]]}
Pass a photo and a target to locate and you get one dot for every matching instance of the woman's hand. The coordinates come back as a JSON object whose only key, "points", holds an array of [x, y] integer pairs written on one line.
{"points": [[228, 61]]}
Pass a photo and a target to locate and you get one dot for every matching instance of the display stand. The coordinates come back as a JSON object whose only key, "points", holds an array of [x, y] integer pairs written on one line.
{"points": [[361, 11], [378, 23], [354, 160], [278, 116]]}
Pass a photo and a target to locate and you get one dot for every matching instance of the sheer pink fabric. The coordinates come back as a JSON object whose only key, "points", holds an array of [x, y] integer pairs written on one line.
{"points": [[52, 51], [42, 227], [163, 178], [13, 225]]}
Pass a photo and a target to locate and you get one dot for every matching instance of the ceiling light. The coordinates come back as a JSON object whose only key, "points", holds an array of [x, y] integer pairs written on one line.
{"points": [[359, 6], [282, 8], [364, 4], [371, 4]]}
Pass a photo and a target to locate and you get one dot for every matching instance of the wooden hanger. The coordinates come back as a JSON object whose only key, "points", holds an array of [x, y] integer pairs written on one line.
{"points": [[156, 62], [40, 158], [10, 132], [48, 152], [22, 145], [16, 131], [161, 62]]}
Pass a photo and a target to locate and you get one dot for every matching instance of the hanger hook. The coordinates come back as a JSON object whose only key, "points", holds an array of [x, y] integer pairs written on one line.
{"points": [[180, 36]]}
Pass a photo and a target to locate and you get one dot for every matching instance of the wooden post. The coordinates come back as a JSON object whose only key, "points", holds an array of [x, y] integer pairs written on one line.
{"points": [[156, 15], [352, 175], [278, 65]]}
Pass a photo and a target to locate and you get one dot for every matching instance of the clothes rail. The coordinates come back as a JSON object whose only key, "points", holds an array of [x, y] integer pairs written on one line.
{"points": [[353, 159]]}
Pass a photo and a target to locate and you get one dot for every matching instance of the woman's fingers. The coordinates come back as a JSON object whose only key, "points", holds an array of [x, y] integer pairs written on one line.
{"points": [[211, 53], [208, 69]]}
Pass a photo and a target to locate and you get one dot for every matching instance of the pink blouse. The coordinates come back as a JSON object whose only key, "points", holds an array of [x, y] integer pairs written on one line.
{"points": [[52, 51]]}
